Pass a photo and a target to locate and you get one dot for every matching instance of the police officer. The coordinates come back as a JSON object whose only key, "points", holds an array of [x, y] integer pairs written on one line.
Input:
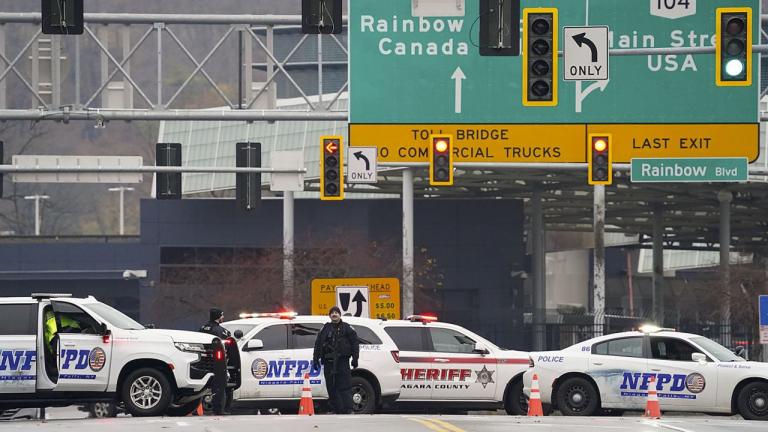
{"points": [[335, 345], [222, 397]]}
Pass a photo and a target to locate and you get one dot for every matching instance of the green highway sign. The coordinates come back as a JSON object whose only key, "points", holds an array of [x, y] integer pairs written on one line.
{"points": [[687, 170], [427, 70]]}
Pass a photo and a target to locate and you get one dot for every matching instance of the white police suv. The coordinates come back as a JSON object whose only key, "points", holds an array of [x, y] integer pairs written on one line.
{"points": [[276, 351], [445, 367], [98, 354], [692, 373]]}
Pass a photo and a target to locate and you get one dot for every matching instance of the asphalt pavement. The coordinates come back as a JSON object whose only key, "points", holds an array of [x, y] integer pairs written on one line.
{"points": [[387, 423]]}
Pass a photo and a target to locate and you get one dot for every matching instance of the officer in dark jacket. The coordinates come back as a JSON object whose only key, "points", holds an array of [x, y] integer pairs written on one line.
{"points": [[336, 344], [222, 398]]}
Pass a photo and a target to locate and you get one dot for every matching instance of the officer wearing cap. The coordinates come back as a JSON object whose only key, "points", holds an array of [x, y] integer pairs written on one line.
{"points": [[222, 397], [335, 345]]}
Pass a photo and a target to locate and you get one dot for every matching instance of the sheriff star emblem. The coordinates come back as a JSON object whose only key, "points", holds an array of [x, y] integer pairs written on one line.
{"points": [[484, 376]]}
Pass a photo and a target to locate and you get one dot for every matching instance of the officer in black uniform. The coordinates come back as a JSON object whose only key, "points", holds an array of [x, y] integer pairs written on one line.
{"points": [[222, 398], [335, 345]]}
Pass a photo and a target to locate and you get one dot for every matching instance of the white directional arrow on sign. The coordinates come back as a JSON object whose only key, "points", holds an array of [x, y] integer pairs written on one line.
{"points": [[581, 95], [458, 76]]}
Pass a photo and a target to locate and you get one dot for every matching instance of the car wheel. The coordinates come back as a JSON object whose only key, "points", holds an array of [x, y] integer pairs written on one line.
{"points": [[146, 392], [182, 410], [363, 396], [102, 410], [577, 397], [516, 402], [753, 401]]}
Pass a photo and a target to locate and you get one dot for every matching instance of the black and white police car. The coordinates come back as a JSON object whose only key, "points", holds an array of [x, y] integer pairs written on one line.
{"points": [[692, 373], [276, 351], [446, 367]]}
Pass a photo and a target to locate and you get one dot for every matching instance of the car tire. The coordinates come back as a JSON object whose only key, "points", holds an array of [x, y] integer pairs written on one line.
{"points": [[752, 401], [146, 392], [182, 410], [102, 410], [363, 396], [577, 397], [516, 402]]}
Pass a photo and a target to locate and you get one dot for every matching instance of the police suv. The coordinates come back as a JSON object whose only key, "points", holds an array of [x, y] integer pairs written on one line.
{"points": [[56, 350], [445, 366], [276, 351], [692, 373]]}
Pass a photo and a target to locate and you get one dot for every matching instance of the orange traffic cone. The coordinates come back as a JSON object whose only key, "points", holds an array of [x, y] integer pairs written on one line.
{"points": [[534, 402], [652, 409], [199, 410], [306, 406]]}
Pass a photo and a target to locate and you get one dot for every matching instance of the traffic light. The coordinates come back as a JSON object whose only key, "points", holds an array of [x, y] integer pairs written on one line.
{"points": [[321, 17], [168, 185], [331, 168], [499, 27], [600, 172], [248, 185], [733, 50], [441, 160], [540, 73], [62, 17]]}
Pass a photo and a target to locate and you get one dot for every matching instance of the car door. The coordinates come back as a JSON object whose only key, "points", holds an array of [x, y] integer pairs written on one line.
{"points": [[84, 354], [303, 336], [619, 368], [415, 361], [682, 382], [264, 368], [459, 372], [18, 352]]}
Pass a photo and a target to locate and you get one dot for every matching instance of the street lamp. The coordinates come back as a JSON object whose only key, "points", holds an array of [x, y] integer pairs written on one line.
{"points": [[122, 190], [37, 199]]}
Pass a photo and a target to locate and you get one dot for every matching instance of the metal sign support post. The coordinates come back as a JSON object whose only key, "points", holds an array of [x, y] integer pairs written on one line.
{"points": [[599, 260], [288, 252], [536, 237], [407, 242]]}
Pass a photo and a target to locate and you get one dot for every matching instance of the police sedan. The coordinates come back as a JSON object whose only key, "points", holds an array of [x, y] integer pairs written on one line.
{"points": [[692, 373]]}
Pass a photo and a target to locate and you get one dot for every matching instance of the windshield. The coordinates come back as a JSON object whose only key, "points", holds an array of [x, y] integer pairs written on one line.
{"points": [[115, 317], [720, 352], [245, 328]]}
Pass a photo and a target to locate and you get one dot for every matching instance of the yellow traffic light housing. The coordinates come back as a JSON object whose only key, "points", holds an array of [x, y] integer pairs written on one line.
{"points": [[331, 168], [733, 48], [600, 159], [540, 44], [441, 160]]}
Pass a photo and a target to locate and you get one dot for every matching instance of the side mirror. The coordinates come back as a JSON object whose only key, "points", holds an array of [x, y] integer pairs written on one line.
{"points": [[238, 334], [740, 351], [253, 345], [699, 357], [103, 329], [149, 326], [479, 349]]}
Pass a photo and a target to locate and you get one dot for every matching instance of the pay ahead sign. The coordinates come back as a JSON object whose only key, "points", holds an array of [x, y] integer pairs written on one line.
{"points": [[380, 296], [585, 53]]}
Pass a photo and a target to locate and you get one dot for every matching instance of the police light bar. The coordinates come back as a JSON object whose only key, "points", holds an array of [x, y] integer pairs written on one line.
{"points": [[650, 328], [281, 315], [423, 318], [41, 296]]}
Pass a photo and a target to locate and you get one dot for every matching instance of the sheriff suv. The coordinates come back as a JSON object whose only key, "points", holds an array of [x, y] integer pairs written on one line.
{"points": [[690, 373], [276, 351], [97, 354], [445, 366]]}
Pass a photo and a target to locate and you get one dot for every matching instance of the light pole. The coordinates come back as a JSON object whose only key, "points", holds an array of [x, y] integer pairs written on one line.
{"points": [[37, 199], [122, 190]]}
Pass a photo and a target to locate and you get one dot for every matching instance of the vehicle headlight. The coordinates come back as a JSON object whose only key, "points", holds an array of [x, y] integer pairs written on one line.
{"points": [[190, 347]]}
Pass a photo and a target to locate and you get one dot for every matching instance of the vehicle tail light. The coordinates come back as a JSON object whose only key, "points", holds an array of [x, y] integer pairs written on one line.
{"points": [[396, 356], [229, 341], [218, 355]]}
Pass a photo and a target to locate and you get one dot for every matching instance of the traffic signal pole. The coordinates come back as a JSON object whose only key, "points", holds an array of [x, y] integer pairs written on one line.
{"points": [[288, 250], [657, 293], [536, 239], [725, 197], [407, 291], [598, 293]]}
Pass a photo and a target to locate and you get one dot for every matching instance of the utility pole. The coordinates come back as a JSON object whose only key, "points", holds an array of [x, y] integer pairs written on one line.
{"points": [[122, 190], [37, 199]]}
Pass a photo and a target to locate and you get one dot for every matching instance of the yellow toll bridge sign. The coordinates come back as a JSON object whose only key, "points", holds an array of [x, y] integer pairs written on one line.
{"points": [[558, 143]]}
